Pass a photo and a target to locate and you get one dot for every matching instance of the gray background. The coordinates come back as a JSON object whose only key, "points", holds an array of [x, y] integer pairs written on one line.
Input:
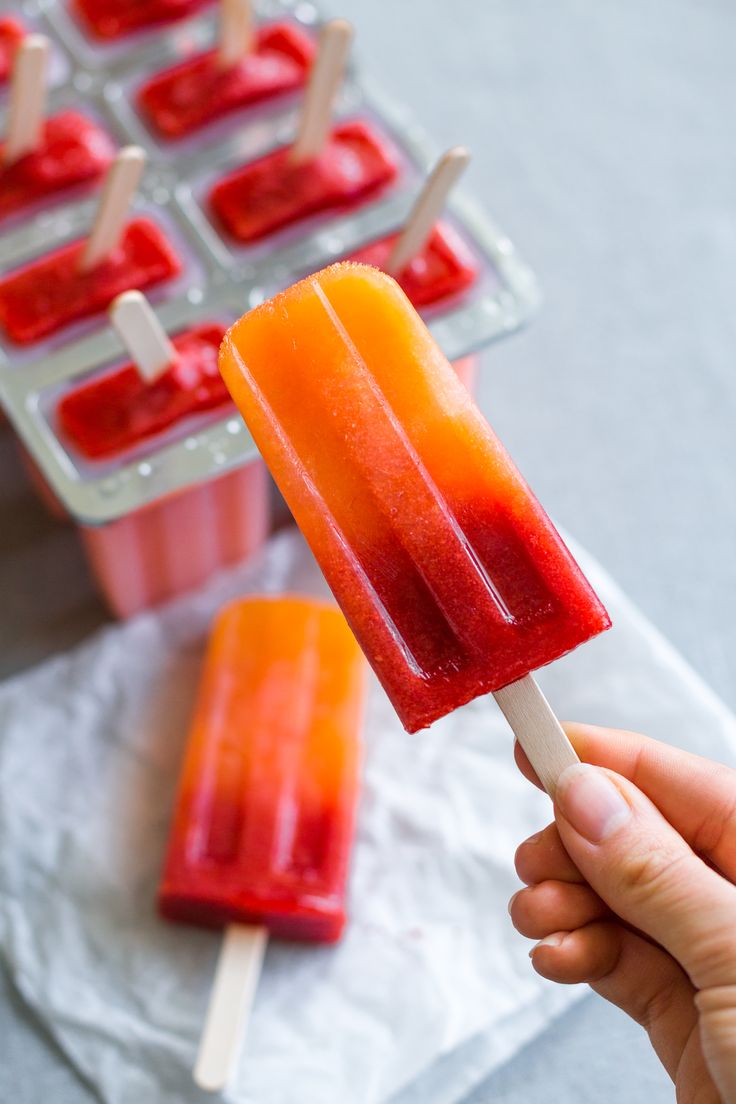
{"points": [[603, 147]]}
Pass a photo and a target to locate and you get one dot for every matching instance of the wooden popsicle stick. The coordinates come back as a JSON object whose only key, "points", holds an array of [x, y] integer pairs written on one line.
{"points": [[142, 334], [236, 31], [537, 729], [121, 182], [324, 82], [233, 990], [27, 98], [427, 208]]}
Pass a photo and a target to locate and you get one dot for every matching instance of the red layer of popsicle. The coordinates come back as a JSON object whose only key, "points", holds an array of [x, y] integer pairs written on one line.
{"points": [[74, 150], [443, 268], [120, 410], [114, 18], [12, 33], [273, 192], [199, 90], [50, 293]]}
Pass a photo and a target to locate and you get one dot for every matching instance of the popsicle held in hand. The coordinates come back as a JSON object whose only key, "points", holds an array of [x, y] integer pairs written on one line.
{"points": [[326, 169], [449, 572], [263, 826], [44, 158]]}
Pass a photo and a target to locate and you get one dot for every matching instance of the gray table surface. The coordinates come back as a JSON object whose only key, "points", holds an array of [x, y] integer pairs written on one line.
{"points": [[603, 146]]}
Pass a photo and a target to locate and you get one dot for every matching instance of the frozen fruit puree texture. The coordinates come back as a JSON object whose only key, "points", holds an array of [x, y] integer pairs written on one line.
{"points": [[199, 90], [442, 268], [449, 572], [12, 33], [74, 150], [51, 292], [122, 409], [274, 192], [113, 18], [264, 819]]}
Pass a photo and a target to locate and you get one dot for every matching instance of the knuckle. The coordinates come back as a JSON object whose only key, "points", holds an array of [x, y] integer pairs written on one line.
{"points": [[650, 870]]}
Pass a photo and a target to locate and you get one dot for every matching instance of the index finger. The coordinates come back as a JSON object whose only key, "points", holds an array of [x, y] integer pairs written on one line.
{"points": [[696, 795]]}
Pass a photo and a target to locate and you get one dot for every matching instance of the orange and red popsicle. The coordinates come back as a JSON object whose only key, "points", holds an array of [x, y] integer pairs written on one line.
{"points": [[264, 820], [449, 572]]}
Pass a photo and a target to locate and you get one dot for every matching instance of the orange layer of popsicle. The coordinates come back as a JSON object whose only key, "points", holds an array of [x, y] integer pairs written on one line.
{"points": [[451, 575], [265, 813]]}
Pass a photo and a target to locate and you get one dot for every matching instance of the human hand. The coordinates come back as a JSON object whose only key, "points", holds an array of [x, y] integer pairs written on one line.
{"points": [[631, 890]]}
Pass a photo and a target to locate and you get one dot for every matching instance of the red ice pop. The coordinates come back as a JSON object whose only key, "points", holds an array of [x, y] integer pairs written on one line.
{"points": [[45, 158], [12, 33], [201, 89], [124, 408], [327, 168], [264, 818], [82, 278], [429, 261], [115, 18]]}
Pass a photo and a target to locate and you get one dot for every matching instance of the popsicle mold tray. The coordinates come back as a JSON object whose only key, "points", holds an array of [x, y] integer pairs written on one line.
{"points": [[221, 278]]}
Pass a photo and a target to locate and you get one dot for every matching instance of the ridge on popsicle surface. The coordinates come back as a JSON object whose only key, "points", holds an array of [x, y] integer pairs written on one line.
{"points": [[449, 572]]}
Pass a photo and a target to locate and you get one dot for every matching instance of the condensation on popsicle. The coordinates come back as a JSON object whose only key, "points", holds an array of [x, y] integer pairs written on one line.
{"points": [[197, 91], [449, 572], [264, 820]]}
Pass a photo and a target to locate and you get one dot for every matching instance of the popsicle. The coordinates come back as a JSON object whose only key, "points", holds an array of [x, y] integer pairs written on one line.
{"points": [[264, 818], [449, 572], [81, 278], [328, 168], [12, 33], [115, 18], [124, 408], [429, 260], [45, 158], [270, 63], [175, 543]]}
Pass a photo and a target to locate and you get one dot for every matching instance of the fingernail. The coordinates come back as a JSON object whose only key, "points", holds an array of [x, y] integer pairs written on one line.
{"points": [[589, 800], [536, 838], [511, 902], [555, 940]]}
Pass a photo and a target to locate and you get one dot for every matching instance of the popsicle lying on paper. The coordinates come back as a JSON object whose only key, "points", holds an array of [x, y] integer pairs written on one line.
{"points": [[201, 89], [326, 169], [124, 408], [263, 826], [82, 278], [428, 259], [449, 572], [43, 158], [12, 33], [114, 18]]}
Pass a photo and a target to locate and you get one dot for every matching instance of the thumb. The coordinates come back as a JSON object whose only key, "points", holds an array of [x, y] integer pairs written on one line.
{"points": [[646, 873]]}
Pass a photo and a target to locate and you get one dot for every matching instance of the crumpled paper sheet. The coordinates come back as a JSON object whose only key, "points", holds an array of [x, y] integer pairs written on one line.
{"points": [[90, 745]]}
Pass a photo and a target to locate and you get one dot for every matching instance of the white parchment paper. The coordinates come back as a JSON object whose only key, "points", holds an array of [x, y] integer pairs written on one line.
{"points": [[430, 982]]}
